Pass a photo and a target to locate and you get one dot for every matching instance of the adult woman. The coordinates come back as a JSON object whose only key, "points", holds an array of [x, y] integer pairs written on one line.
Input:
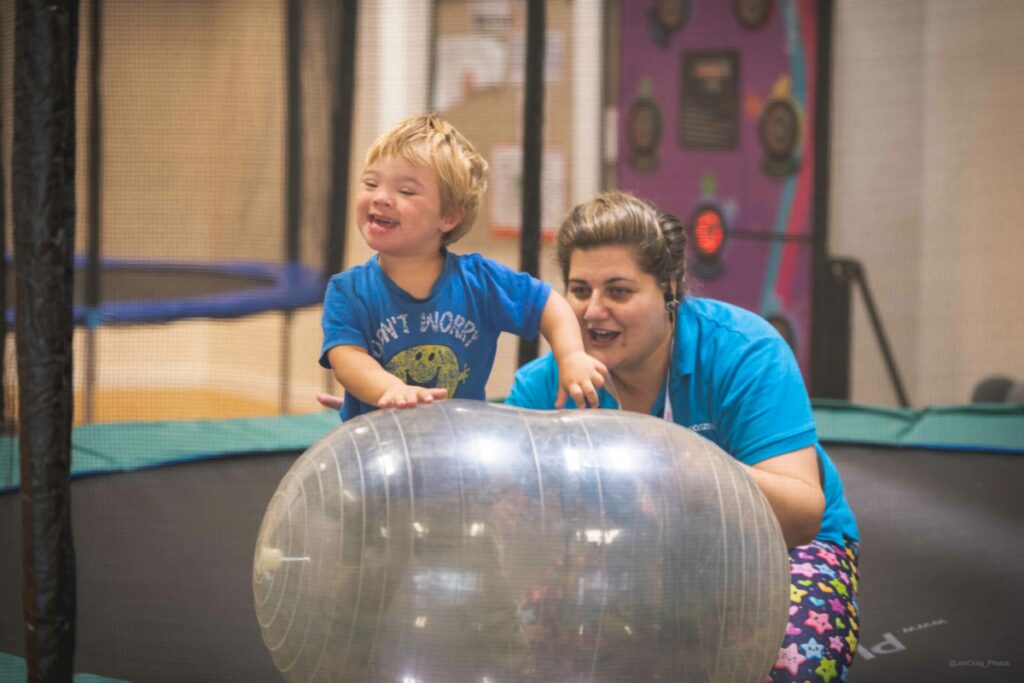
{"points": [[727, 374]]}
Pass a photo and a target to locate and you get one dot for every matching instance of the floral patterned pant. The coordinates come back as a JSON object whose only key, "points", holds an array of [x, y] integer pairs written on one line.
{"points": [[821, 636]]}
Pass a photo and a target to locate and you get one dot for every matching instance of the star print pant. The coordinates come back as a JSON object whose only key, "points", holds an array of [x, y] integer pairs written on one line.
{"points": [[821, 636]]}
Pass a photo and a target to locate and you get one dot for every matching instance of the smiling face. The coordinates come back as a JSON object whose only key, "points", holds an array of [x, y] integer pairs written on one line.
{"points": [[621, 308], [398, 209]]}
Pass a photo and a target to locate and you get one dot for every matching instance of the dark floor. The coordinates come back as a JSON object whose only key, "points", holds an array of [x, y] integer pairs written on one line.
{"points": [[942, 562]]}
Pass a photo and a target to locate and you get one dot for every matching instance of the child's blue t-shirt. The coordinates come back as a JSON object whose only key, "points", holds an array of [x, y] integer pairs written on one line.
{"points": [[734, 380], [446, 340]]}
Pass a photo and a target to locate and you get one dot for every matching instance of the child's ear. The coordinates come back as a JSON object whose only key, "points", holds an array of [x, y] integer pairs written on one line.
{"points": [[452, 219]]}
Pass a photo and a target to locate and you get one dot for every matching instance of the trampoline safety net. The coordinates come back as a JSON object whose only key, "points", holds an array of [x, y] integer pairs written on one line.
{"points": [[203, 183]]}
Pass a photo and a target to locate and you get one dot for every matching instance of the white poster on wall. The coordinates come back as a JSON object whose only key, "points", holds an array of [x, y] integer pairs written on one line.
{"points": [[491, 15], [466, 64], [506, 161]]}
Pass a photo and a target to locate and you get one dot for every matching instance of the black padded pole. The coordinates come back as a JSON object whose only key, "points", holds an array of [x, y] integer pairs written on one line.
{"points": [[43, 191], [293, 177], [830, 289], [343, 102], [832, 329], [6, 409], [533, 146], [93, 293], [293, 135]]}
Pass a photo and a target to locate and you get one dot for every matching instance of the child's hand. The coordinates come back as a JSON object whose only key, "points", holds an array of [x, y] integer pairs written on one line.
{"points": [[330, 401], [580, 375], [402, 395]]}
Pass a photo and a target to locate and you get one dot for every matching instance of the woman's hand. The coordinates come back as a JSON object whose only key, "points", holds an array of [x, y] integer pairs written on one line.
{"points": [[580, 375]]}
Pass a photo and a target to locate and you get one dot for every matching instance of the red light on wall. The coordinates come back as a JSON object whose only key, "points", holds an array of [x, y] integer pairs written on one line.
{"points": [[708, 233]]}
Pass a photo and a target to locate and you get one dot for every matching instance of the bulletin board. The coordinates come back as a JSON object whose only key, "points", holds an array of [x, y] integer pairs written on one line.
{"points": [[718, 113]]}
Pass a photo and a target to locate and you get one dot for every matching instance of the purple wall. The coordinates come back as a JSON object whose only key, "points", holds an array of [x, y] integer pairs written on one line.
{"points": [[736, 108]]}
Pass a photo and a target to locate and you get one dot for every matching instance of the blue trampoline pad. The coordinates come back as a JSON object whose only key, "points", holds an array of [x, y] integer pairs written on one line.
{"points": [[138, 292]]}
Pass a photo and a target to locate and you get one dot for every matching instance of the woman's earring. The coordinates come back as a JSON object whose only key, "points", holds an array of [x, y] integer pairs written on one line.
{"points": [[670, 299]]}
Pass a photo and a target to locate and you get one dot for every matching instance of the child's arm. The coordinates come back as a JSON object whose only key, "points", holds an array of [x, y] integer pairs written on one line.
{"points": [[365, 379], [579, 374]]}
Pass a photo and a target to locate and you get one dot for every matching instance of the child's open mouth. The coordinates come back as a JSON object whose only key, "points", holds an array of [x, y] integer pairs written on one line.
{"points": [[380, 224]]}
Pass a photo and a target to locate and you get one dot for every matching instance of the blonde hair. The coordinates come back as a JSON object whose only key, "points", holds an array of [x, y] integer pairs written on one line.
{"points": [[656, 237], [427, 140]]}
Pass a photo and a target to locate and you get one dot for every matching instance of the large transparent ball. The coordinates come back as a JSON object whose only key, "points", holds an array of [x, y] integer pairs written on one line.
{"points": [[464, 541]]}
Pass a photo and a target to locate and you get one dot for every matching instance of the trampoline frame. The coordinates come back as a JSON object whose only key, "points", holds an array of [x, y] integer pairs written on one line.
{"points": [[277, 287]]}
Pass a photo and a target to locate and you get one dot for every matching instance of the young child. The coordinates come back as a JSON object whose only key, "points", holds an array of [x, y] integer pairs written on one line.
{"points": [[416, 322]]}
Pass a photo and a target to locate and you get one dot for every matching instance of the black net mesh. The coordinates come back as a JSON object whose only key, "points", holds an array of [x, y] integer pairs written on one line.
{"points": [[190, 204]]}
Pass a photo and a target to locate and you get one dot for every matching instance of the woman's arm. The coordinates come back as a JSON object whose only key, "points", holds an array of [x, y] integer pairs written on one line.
{"points": [[790, 483]]}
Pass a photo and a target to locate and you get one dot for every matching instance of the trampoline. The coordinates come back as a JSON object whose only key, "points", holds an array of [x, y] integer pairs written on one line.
{"points": [[208, 208], [164, 552], [139, 293]]}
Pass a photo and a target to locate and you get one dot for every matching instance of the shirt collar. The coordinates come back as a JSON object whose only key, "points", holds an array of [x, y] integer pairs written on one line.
{"points": [[449, 266]]}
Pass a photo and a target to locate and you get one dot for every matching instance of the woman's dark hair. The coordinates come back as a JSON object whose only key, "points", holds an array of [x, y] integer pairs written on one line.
{"points": [[618, 218]]}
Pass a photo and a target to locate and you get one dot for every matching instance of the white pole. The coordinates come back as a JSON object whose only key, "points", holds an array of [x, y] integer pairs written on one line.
{"points": [[403, 59], [587, 73]]}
